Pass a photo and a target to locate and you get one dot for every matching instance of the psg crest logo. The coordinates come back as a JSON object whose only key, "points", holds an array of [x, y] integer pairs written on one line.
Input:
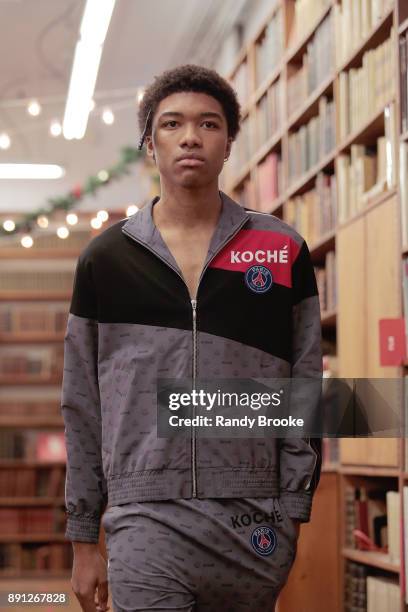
{"points": [[263, 540], [258, 279]]}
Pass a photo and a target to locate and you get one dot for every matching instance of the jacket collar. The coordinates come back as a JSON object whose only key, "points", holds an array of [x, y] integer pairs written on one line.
{"points": [[142, 228]]}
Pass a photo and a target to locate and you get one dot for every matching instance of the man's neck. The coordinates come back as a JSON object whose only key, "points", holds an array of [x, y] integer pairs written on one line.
{"points": [[188, 208]]}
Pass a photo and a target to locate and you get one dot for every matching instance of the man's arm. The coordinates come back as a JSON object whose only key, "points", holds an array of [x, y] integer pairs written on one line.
{"points": [[85, 485], [300, 458]]}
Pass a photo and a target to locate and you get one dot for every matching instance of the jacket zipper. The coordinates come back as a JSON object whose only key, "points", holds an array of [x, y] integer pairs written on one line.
{"points": [[193, 440], [194, 308]]}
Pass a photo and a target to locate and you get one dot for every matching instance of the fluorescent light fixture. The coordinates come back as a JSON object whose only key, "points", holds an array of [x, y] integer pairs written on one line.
{"points": [[81, 88], [94, 26], [95, 20], [31, 171]]}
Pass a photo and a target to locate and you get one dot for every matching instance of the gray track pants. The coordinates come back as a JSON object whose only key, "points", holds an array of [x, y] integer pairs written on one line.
{"points": [[199, 555]]}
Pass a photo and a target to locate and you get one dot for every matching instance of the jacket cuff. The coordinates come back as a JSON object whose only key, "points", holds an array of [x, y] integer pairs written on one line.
{"points": [[298, 504], [82, 529]]}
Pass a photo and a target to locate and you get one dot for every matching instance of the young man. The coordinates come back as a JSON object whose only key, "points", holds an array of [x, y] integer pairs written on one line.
{"points": [[191, 286]]}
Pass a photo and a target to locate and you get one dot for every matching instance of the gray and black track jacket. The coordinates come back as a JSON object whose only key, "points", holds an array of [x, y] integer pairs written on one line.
{"points": [[131, 321]]}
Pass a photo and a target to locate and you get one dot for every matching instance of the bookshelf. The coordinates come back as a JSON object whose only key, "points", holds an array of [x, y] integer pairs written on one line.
{"points": [[35, 293], [334, 165]]}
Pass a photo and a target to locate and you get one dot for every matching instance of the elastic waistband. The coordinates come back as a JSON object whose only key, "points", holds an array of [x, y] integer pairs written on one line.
{"points": [[155, 485]]}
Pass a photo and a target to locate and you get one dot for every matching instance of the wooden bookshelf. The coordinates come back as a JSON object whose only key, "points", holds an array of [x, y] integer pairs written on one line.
{"points": [[35, 319], [370, 272]]}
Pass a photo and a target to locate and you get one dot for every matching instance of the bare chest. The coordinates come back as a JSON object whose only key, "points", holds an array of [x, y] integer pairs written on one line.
{"points": [[190, 255]]}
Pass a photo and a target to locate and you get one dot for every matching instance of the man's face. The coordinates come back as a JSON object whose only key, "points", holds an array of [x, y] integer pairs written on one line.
{"points": [[189, 124]]}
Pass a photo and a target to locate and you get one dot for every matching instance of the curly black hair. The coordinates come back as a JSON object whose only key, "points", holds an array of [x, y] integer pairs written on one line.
{"points": [[189, 77]]}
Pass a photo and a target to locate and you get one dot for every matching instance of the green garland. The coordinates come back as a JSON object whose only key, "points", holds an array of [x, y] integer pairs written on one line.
{"points": [[129, 155]]}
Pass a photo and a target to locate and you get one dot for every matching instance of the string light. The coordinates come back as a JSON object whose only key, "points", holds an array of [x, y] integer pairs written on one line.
{"points": [[103, 175], [63, 232], [108, 117], [27, 242], [34, 108], [5, 141], [72, 219], [131, 210], [9, 225], [42, 221], [102, 215], [96, 222], [55, 128]]}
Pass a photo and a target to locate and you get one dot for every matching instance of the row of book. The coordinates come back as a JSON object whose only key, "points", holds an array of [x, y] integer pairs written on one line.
{"points": [[307, 13], [357, 173], [312, 142], [39, 275], [32, 445], [41, 482], [269, 114], [33, 318], [240, 83], [241, 151], [354, 21], [364, 91], [270, 179], [317, 66], [26, 557], [372, 520], [30, 520], [313, 214], [326, 279], [403, 66], [403, 185], [247, 194], [269, 48], [369, 593], [32, 362]]}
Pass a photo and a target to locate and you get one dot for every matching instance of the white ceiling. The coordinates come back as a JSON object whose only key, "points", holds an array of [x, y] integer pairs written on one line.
{"points": [[37, 41]]}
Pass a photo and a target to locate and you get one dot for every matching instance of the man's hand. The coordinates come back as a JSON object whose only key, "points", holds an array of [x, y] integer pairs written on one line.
{"points": [[89, 576]]}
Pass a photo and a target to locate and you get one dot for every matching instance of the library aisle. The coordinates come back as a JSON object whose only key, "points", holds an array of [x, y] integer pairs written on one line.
{"points": [[323, 145]]}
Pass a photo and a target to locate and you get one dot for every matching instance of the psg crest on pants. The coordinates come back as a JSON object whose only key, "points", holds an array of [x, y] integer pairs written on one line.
{"points": [[263, 540], [258, 279]]}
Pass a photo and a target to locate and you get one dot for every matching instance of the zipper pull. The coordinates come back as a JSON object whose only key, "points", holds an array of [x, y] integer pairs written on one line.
{"points": [[194, 305]]}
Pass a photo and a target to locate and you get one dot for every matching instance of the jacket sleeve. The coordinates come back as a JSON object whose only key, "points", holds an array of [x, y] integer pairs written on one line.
{"points": [[85, 485], [300, 458]]}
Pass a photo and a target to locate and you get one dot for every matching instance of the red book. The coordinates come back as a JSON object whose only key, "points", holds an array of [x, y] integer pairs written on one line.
{"points": [[392, 342]]}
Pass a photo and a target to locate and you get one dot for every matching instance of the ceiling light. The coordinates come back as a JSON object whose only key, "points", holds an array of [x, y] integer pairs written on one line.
{"points": [[102, 215], [96, 223], [131, 210], [27, 241], [108, 117], [55, 128], [34, 109], [63, 232], [88, 51], [4, 141], [42, 221], [72, 219], [9, 225], [31, 171]]}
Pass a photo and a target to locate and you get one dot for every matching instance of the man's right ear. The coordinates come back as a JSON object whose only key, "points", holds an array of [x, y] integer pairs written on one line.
{"points": [[149, 147]]}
